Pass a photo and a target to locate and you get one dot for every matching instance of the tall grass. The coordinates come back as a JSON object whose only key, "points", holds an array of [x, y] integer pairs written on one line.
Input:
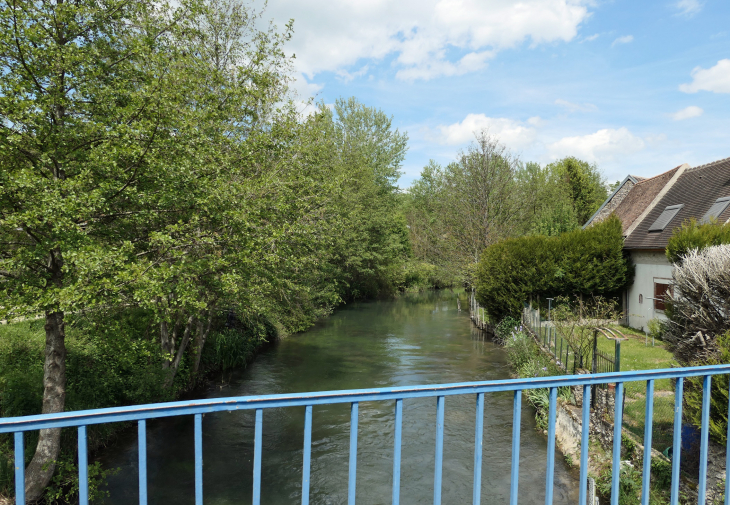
{"points": [[527, 360]]}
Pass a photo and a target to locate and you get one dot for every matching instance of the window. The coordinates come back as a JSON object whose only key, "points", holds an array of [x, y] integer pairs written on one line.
{"points": [[666, 217], [717, 208], [661, 290]]}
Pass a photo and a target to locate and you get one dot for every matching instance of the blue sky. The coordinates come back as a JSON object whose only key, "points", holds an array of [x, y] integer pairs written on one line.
{"points": [[637, 87]]}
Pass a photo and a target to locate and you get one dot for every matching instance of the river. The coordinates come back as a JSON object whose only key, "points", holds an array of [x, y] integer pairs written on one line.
{"points": [[414, 339]]}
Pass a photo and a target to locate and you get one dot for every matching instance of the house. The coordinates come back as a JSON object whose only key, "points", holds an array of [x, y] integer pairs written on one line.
{"points": [[650, 210]]}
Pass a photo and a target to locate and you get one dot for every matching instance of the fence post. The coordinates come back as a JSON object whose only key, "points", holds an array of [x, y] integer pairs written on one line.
{"points": [[560, 355], [594, 366], [617, 357]]}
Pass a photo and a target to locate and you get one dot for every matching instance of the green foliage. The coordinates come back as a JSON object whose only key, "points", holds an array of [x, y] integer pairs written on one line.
{"points": [[629, 485], [229, 348], [692, 235], [506, 327], [550, 209], [588, 262], [584, 183], [718, 399], [64, 487], [656, 328], [527, 360]]}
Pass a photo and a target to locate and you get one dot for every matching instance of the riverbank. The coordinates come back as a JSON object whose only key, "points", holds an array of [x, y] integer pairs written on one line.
{"points": [[114, 362], [528, 358]]}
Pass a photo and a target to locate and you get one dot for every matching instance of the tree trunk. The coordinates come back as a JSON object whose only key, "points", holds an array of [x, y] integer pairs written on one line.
{"points": [[165, 344], [200, 338], [180, 351], [41, 468]]}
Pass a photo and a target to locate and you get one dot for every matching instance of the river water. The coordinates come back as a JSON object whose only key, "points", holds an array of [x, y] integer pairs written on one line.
{"points": [[414, 339]]}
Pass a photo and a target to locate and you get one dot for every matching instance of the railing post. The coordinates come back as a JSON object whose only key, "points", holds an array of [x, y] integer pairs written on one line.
{"points": [[438, 467], [20, 468], [397, 450], [83, 467], [257, 448], [352, 478], [142, 460], [617, 357], [648, 425], [550, 477], [585, 430], [616, 468], [478, 443], [307, 461], [677, 446], [516, 420], [704, 437], [198, 459]]}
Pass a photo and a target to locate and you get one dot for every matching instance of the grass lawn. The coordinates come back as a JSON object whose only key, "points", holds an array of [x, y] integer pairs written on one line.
{"points": [[636, 355]]}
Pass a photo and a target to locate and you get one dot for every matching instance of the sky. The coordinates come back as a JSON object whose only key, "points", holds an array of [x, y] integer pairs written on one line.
{"points": [[637, 87]]}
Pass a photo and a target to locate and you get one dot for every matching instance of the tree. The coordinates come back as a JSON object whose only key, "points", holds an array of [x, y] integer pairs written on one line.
{"points": [[585, 185], [365, 153], [130, 133], [90, 97], [549, 207]]}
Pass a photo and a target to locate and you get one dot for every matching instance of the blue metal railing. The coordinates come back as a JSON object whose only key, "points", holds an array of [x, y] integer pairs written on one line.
{"points": [[196, 408]]}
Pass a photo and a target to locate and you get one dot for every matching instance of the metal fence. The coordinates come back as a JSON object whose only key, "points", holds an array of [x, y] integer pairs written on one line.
{"points": [[82, 419], [597, 361]]}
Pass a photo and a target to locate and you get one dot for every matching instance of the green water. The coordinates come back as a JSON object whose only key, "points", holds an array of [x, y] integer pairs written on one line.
{"points": [[415, 339]]}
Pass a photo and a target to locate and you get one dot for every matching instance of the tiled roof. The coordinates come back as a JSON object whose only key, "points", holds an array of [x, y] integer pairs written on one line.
{"points": [[640, 196], [697, 189]]}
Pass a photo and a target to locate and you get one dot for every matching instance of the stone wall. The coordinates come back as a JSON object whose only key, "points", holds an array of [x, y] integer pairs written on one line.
{"points": [[614, 202]]}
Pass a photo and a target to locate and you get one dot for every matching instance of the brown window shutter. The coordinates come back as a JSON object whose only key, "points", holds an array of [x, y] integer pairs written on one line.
{"points": [[660, 291]]}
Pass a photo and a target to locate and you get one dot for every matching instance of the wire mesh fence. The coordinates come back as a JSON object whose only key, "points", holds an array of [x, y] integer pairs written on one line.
{"points": [[601, 358]]}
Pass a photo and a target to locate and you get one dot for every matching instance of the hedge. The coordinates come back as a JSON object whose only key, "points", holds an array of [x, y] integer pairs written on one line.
{"points": [[580, 262]]}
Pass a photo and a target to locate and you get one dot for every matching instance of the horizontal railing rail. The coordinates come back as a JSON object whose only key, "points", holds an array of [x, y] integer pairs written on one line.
{"points": [[196, 408]]}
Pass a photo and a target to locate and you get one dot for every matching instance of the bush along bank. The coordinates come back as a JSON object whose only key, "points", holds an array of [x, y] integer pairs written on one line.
{"points": [[114, 362], [527, 359]]}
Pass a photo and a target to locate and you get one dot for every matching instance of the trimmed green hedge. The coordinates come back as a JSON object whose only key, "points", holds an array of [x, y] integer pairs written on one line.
{"points": [[587, 262], [692, 235]]}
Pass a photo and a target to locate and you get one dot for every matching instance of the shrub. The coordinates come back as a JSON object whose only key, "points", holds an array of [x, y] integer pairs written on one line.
{"points": [[692, 236], [527, 360], [505, 328], [699, 306], [581, 262], [718, 398]]}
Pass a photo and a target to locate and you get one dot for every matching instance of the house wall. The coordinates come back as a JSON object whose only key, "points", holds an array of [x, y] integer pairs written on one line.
{"points": [[650, 267]]}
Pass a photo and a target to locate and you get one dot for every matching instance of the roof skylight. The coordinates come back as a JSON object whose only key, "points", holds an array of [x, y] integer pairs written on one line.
{"points": [[666, 217], [717, 208]]}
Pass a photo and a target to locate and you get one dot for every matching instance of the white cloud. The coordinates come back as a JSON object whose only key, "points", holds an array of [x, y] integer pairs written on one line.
{"points": [[427, 38], [688, 7], [514, 134], [623, 40], [346, 76], [716, 79], [572, 107], [590, 38], [687, 112], [602, 146]]}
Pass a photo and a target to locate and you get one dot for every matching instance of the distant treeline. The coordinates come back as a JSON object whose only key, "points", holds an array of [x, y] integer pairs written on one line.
{"points": [[487, 195]]}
